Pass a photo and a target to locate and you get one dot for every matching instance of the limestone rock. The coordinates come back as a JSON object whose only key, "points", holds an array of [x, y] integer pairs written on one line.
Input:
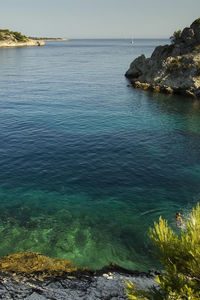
{"points": [[171, 68], [137, 67], [16, 39], [28, 43]]}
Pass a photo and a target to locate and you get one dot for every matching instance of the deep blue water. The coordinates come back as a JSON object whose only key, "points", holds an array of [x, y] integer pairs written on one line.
{"points": [[86, 163]]}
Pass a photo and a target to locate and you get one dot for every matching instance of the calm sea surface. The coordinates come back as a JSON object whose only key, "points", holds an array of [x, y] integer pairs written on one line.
{"points": [[86, 163]]}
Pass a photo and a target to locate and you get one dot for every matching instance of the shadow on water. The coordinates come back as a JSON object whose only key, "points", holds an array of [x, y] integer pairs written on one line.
{"points": [[176, 103]]}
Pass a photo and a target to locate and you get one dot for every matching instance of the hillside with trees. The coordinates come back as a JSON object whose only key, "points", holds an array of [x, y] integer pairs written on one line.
{"points": [[16, 39]]}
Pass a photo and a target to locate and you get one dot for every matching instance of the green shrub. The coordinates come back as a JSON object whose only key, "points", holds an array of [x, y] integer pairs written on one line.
{"points": [[14, 35], [177, 63], [197, 49], [176, 36], [4, 31], [18, 36], [3, 34], [174, 64], [181, 257], [198, 69], [196, 22]]}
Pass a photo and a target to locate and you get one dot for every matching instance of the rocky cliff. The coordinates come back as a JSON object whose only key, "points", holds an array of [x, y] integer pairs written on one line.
{"points": [[16, 39], [171, 68]]}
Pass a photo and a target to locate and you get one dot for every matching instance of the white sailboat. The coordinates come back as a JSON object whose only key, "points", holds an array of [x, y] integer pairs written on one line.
{"points": [[132, 41]]}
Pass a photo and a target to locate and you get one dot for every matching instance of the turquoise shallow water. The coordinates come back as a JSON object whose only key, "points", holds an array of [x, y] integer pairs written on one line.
{"points": [[86, 163]]}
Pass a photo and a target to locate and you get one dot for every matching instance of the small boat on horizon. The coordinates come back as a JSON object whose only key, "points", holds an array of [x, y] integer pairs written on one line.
{"points": [[132, 42]]}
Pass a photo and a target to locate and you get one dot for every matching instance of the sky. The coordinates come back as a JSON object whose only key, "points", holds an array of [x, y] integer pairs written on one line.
{"points": [[98, 18]]}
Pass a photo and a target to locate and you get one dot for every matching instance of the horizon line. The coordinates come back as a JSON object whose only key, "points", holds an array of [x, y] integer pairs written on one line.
{"points": [[106, 38]]}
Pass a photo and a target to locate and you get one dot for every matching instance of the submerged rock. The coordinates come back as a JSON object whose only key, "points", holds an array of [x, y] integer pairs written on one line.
{"points": [[171, 68]]}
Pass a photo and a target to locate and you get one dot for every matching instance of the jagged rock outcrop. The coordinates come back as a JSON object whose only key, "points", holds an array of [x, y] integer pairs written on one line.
{"points": [[171, 68], [16, 39]]}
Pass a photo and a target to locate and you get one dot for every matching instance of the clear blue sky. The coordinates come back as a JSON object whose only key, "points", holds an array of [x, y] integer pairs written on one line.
{"points": [[98, 18]]}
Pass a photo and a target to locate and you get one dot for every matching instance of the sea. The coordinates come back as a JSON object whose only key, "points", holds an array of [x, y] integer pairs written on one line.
{"points": [[88, 164]]}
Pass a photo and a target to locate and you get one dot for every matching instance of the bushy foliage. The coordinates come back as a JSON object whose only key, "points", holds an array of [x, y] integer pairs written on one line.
{"points": [[18, 36], [178, 63], [196, 22], [181, 257], [174, 64], [3, 34], [4, 31], [198, 68], [14, 35], [197, 49], [176, 36], [34, 263]]}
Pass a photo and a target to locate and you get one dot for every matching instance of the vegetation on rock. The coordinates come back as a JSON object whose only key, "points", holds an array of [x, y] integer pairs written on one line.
{"points": [[176, 36], [181, 257], [198, 69], [177, 63], [196, 22], [18, 36], [6, 34], [30, 263], [173, 66]]}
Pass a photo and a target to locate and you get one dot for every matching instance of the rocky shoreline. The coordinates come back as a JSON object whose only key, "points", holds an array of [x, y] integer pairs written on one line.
{"points": [[105, 284], [28, 43], [30, 275], [171, 68], [10, 39]]}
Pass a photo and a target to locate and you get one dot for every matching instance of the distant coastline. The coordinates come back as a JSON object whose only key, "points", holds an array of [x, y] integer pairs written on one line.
{"points": [[48, 39], [29, 43], [16, 39]]}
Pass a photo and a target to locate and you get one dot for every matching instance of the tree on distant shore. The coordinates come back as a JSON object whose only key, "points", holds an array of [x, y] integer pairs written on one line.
{"points": [[19, 37], [181, 257], [6, 34]]}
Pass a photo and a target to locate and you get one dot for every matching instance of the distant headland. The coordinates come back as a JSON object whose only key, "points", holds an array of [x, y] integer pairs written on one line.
{"points": [[16, 39], [48, 39], [171, 68]]}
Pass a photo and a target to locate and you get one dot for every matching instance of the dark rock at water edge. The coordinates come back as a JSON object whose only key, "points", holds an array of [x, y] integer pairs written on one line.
{"points": [[88, 285], [31, 275], [171, 68]]}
